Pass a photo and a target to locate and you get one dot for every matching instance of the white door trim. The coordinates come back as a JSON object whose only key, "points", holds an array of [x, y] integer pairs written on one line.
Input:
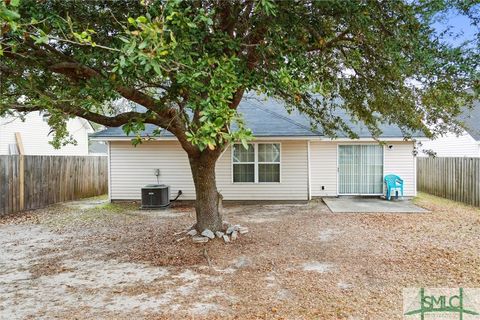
{"points": [[338, 169]]}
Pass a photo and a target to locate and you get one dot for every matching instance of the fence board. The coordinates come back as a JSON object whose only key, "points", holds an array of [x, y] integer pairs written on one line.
{"points": [[50, 179], [452, 178]]}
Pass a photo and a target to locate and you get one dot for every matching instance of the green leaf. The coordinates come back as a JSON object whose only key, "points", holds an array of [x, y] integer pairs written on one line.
{"points": [[9, 14], [245, 143], [142, 19], [172, 38], [40, 39], [218, 122], [157, 69], [122, 61], [15, 3]]}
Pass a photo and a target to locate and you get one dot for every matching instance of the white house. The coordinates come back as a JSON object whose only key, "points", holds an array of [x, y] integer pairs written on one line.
{"points": [[466, 144], [34, 134], [286, 161]]}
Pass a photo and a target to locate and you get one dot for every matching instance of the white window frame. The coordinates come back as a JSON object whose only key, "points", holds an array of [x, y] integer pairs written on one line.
{"points": [[256, 163], [244, 162]]}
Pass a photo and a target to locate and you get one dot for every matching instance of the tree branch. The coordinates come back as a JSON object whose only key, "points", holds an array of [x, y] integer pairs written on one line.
{"points": [[329, 44], [114, 121]]}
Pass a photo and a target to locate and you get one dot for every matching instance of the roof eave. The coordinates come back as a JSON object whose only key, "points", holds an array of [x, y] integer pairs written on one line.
{"points": [[276, 137]]}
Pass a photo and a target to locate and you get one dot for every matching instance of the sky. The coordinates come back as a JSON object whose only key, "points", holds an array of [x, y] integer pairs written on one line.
{"points": [[460, 27]]}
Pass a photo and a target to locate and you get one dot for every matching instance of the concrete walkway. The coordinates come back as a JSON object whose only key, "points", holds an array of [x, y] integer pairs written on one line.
{"points": [[362, 204]]}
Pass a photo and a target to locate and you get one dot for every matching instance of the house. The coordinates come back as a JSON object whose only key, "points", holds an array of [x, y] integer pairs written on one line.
{"points": [[97, 148], [34, 135], [467, 144], [288, 160]]}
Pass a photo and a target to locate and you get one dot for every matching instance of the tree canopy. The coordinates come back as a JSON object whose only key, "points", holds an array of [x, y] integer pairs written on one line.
{"points": [[190, 62]]}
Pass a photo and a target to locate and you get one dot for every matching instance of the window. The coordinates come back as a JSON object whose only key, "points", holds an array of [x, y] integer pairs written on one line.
{"points": [[268, 162], [260, 162], [243, 163]]}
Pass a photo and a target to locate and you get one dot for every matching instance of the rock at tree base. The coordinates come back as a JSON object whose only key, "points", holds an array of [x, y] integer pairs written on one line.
{"points": [[243, 230], [234, 235], [207, 233], [226, 225], [192, 232], [230, 230], [226, 238], [200, 239], [219, 234]]}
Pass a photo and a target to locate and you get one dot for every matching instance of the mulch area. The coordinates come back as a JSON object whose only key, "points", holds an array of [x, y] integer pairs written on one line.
{"points": [[361, 262]]}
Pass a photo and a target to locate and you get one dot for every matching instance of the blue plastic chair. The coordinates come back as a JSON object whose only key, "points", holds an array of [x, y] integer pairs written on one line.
{"points": [[393, 183]]}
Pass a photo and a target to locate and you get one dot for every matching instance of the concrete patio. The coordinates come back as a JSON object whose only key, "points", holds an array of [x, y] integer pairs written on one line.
{"points": [[371, 205]]}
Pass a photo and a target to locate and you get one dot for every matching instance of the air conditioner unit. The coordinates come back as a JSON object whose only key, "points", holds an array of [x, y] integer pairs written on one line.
{"points": [[155, 196]]}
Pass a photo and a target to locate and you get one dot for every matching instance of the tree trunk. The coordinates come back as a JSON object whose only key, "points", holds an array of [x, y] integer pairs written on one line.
{"points": [[208, 202]]}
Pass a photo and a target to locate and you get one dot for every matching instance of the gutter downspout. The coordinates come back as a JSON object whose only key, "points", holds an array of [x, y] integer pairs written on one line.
{"points": [[108, 173], [415, 172], [309, 180]]}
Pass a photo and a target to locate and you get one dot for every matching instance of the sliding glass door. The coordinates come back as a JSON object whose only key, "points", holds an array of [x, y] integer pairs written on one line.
{"points": [[360, 169]]}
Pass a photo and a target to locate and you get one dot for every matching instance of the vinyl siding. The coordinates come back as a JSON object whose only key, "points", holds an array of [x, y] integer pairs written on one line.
{"points": [[323, 161], [452, 146], [323, 168], [131, 168], [36, 135], [400, 161]]}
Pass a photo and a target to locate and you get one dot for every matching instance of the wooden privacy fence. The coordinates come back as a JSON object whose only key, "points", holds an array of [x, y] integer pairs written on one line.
{"points": [[49, 179], [452, 178]]}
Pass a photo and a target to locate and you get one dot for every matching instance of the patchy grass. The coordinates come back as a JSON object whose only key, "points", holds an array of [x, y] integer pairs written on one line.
{"points": [[439, 204], [114, 261], [100, 197], [114, 207], [91, 216]]}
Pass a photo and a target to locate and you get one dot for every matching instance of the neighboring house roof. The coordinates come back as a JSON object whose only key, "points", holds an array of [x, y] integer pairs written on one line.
{"points": [[97, 147], [87, 125], [268, 117], [471, 120]]}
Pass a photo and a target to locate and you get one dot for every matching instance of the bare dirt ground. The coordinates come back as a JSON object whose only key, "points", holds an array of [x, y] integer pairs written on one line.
{"points": [[88, 260]]}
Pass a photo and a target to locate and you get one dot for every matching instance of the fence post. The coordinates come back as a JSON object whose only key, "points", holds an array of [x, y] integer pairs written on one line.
{"points": [[21, 171]]}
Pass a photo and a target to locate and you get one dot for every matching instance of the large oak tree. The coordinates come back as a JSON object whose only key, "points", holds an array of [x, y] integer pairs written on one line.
{"points": [[189, 64]]}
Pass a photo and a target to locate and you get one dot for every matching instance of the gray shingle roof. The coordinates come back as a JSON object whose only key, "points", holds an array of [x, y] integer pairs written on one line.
{"points": [[97, 147], [471, 120], [268, 117]]}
